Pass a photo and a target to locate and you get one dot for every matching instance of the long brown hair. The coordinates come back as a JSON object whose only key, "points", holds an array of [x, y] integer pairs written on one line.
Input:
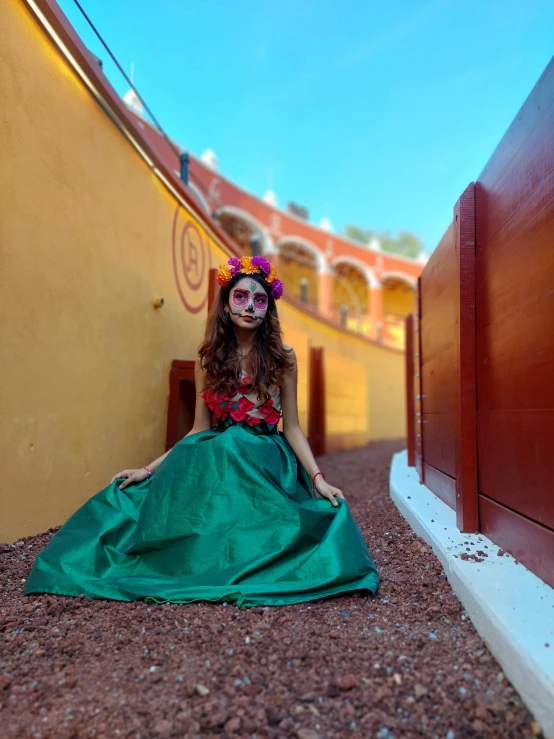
{"points": [[267, 362]]}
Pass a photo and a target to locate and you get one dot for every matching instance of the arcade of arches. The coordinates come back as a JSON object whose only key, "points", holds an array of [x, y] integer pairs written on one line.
{"points": [[341, 293], [298, 271], [350, 289], [238, 229]]}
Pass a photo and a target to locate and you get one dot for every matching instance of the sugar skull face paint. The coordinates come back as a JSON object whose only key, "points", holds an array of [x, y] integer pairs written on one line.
{"points": [[252, 300], [248, 303]]}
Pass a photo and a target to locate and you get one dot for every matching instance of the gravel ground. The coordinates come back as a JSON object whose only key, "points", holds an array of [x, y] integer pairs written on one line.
{"points": [[406, 663]]}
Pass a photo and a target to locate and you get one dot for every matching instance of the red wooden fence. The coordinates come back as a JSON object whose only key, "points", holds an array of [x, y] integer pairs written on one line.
{"points": [[483, 347]]}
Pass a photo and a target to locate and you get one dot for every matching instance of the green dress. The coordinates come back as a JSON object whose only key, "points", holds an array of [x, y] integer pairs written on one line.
{"points": [[229, 515]]}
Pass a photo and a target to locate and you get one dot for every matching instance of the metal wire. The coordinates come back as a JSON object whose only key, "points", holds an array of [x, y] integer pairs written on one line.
{"points": [[131, 85]]}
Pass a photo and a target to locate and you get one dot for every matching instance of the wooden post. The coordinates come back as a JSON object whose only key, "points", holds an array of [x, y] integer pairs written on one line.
{"points": [[316, 408], [213, 287], [410, 407], [467, 515], [418, 387], [181, 370]]}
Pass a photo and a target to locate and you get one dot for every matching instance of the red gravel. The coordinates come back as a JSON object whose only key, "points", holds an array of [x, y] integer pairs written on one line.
{"points": [[405, 663]]}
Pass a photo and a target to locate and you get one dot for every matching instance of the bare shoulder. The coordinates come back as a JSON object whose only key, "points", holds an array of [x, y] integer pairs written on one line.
{"points": [[290, 350], [199, 369]]}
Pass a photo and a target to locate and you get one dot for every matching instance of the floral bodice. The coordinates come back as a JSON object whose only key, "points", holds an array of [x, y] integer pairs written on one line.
{"points": [[244, 407]]}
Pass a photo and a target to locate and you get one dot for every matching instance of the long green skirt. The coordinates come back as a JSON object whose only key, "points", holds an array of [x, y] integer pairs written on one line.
{"points": [[228, 516]]}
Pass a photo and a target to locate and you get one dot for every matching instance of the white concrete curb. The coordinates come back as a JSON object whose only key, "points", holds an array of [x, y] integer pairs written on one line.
{"points": [[512, 609]]}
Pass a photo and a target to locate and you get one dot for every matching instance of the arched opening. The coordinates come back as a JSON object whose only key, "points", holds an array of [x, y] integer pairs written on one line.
{"points": [[350, 296], [249, 235], [298, 268], [398, 296], [350, 289], [398, 302]]}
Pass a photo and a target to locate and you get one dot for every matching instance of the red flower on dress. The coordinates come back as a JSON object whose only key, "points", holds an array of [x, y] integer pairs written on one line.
{"points": [[271, 415], [245, 404], [239, 414], [253, 421], [213, 401], [245, 386], [210, 399]]}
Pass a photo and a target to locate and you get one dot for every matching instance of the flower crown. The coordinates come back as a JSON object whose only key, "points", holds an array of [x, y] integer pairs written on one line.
{"points": [[250, 266]]}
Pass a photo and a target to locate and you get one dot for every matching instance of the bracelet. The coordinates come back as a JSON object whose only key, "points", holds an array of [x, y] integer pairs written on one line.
{"points": [[313, 479], [144, 467]]}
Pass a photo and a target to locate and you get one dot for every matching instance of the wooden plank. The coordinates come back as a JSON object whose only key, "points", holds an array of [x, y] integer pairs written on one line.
{"points": [[213, 287], [522, 166], [322, 406], [438, 437], [515, 313], [438, 356], [527, 541], [316, 405], [443, 486], [464, 416], [516, 461], [439, 376], [410, 406], [181, 370], [519, 255], [418, 362], [172, 411], [517, 379]]}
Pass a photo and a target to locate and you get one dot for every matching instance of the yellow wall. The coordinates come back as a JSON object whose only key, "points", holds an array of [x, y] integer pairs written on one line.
{"points": [[347, 425], [381, 402], [398, 301], [86, 240]]}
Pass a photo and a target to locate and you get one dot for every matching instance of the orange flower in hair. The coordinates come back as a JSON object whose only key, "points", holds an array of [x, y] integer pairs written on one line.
{"points": [[246, 266], [223, 275], [250, 266]]}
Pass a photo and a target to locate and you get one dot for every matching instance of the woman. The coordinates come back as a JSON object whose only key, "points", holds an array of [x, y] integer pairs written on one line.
{"points": [[230, 513]]}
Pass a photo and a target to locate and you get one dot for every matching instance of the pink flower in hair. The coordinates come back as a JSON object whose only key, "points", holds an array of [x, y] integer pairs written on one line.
{"points": [[277, 289], [262, 263], [234, 265]]}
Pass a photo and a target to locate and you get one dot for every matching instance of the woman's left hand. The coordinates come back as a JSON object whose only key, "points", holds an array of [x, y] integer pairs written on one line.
{"points": [[328, 491]]}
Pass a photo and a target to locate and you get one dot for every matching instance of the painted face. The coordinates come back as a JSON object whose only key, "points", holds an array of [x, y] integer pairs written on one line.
{"points": [[248, 303]]}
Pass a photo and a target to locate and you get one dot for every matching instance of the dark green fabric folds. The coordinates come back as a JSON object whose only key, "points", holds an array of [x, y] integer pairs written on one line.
{"points": [[228, 516]]}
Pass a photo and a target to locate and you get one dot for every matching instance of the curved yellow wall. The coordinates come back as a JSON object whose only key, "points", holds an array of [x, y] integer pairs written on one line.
{"points": [[398, 301], [86, 233], [364, 382]]}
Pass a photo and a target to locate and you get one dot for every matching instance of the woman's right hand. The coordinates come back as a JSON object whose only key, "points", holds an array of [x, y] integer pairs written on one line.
{"points": [[131, 477]]}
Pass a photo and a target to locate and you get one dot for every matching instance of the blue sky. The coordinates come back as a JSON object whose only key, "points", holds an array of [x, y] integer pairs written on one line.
{"points": [[369, 113]]}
